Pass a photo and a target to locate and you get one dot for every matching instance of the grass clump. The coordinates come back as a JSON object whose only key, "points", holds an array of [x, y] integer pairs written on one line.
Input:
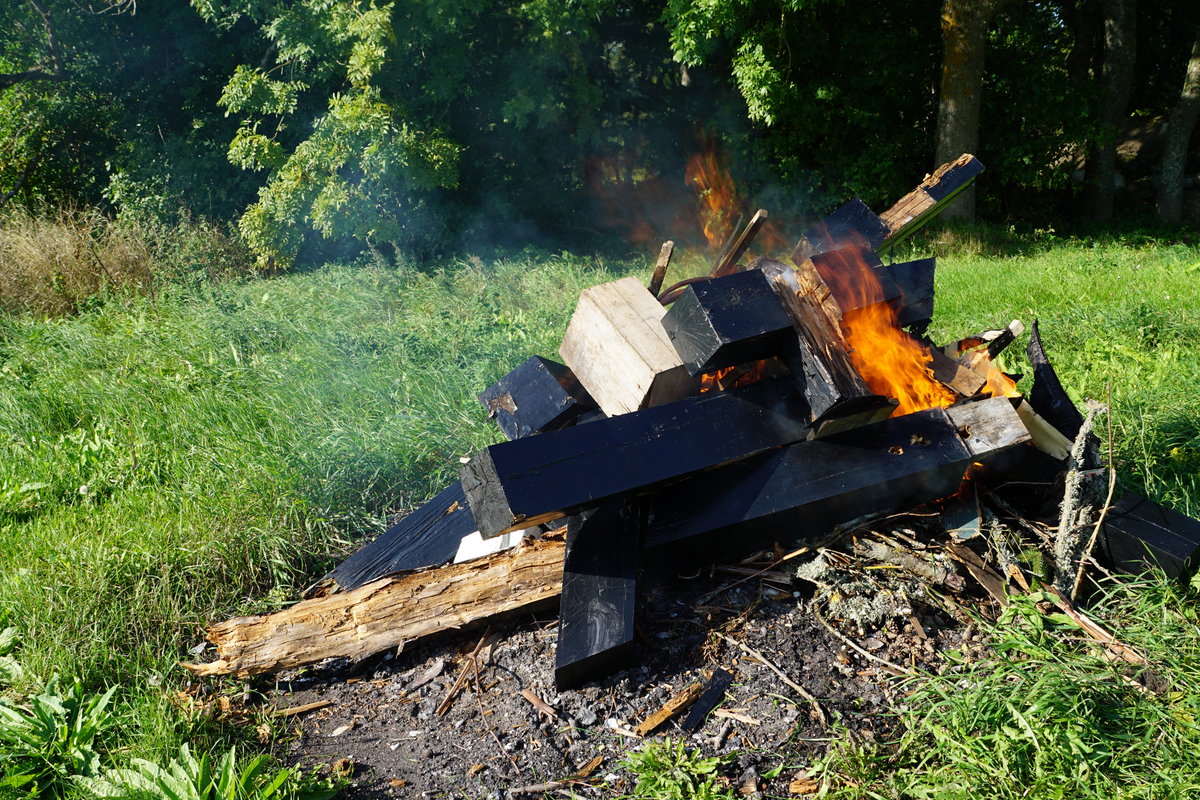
{"points": [[670, 770]]}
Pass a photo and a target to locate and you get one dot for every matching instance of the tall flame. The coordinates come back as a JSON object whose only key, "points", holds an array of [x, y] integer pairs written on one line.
{"points": [[892, 362], [707, 174]]}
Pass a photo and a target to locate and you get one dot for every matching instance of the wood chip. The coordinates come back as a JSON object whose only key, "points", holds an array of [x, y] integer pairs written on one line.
{"points": [[725, 714], [589, 768], [303, 709], [673, 707], [802, 784], [474, 770]]}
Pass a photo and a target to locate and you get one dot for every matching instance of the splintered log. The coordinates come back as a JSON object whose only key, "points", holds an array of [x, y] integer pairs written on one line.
{"points": [[428, 537], [1139, 533], [387, 613], [851, 224], [542, 478], [1048, 397], [727, 321], [539, 395], [916, 208], [819, 357], [599, 593], [615, 344], [805, 489]]}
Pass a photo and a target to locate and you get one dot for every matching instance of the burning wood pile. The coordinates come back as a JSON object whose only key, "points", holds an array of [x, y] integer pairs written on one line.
{"points": [[759, 405]]}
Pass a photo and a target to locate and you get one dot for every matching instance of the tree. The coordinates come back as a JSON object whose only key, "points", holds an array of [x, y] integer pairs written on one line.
{"points": [[1116, 82], [964, 40], [1180, 125]]}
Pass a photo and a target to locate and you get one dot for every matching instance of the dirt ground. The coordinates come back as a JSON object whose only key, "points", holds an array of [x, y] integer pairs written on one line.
{"points": [[383, 728]]}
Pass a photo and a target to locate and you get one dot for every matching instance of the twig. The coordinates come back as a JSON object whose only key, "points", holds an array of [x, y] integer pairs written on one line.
{"points": [[899, 670], [800, 690], [478, 693], [461, 680], [709, 596], [541, 705], [1112, 485], [728, 262], [304, 709]]}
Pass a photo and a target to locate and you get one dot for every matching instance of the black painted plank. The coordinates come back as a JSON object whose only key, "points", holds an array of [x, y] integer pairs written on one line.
{"points": [[1139, 532], [540, 478], [597, 608], [539, 395], [805, 489], [727, 321], [915, 280], [1047, 397], [852, 223], [428, 537]]}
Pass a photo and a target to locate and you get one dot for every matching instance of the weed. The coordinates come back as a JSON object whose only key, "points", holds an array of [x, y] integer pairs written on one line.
{"points": [[51, 741], [188, 778], [670, 770]]}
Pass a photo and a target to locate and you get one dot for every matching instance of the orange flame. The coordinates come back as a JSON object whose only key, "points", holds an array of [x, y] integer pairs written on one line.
{"points": [[707, 174], [892, 362], [998, 384]]}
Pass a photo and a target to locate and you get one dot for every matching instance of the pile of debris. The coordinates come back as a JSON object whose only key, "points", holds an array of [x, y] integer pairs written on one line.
{"points": [[766, 406]]}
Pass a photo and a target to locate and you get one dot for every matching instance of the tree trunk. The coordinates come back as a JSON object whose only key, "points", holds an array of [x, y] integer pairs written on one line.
{"points": [[1180, 125], [964, 38], [1120, 48]]}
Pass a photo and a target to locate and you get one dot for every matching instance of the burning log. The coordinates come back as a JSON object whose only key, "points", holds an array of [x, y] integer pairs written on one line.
{"points": [[807, 488], [727, 321], [615, 344], [539, 395], [542, 478], [599, 593], [387, 613], [851, 223]]}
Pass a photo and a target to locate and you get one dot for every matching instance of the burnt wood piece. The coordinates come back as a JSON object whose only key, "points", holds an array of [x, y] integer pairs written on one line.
{"points": [[727, 263], [807, 488], [428, 537], [851, 223], [528, 481], [599, 592], [660, 268], [727, 321], [819, 358], [1047, 396], [962, 380], [714, 693], [539, 395], [919, 206], [1139, 533], [914, 279]]}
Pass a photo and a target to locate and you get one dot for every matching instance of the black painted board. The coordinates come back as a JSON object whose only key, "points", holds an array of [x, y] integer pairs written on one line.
{"points": [[1047, 397], [714, 693], [807, 488], [428, 537], [954, 180], [539, 395], [848, 272], [1139, 532], [852, 223], [598, 604], [726, 321], [915, 281], [540, 478]]}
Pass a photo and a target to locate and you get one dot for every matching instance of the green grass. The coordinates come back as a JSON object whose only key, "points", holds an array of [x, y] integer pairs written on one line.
{"points": [[173, 459]]}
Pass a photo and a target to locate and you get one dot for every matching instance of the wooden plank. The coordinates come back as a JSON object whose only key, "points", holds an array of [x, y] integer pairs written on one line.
{"points": [[805, 489], [727, 321], [918, 207], [1139, 533], [615, 344], [387, 613], [728, 263], [596, 623], [428, 537], [1045, 436], [660, 268], [539, 395], [915, 281], [962, 380], [541, 478]]}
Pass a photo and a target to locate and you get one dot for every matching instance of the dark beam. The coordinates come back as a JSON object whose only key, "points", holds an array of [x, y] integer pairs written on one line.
{"points": [[1139, 533], [539, 395]]}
